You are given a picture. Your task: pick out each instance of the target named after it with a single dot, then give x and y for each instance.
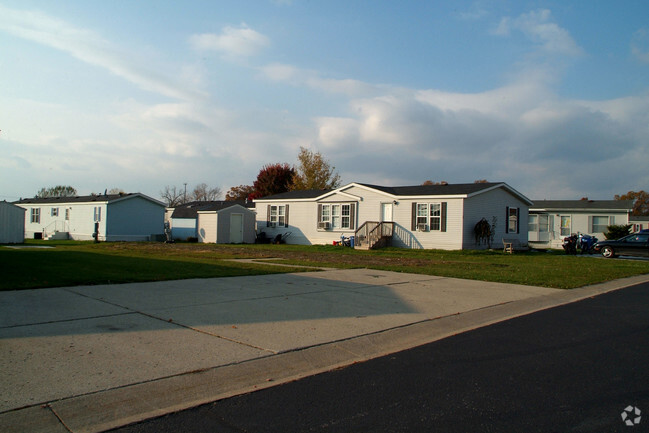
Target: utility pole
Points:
(185, 195)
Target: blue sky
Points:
(550, 97)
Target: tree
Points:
(116, 191)
(241, 192)
(481, 181)
(57, 191)
(172, 196)
(273, 179)
(640, 201)
(430, 182)
(314, 172)
(202, 192)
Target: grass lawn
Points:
(74, 263)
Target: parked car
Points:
(636, 244)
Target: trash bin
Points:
(351, 241)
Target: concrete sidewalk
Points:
(91, 358)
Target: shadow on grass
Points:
(28, 269)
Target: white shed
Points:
(226, 223)
(12, 223)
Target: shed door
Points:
(236, 228)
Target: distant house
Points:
(639, 222)
(552, 220)
(206, 221)
(116, 217)
(422, 216)
(12, 223)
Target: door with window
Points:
(566, 225)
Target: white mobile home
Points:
(116, 217)
(423, 216)
(12, 223)
(552, 220)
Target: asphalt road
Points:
(573, 368)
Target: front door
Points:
(236, 228)
(386, 212)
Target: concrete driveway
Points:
(90, 358)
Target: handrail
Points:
(59, 226)
(371, 232)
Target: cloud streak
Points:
(239, 41)
(91, 48)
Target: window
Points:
(565, 225)
(599, 224)
(544, 223)
(512, 220)
(97, 214)
(338, 215)
(35, 216)
(277, 216)
(430, 215)
(54, 211)
(533, 223)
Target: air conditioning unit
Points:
(422, 227)
(323, 225)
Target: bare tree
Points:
(172, 196)
(202, 192)
(57, 191)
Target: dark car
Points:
(636, 244)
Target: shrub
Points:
(617, 231)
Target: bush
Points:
(617, 231)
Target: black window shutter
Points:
(319, 212)
(268, 216)
(352, 216)
(443, 222)
(414, 217)
(507, 219)
(286, 216)
(518, 220)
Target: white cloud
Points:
(235, 41)
(302, 77)
(539, 27)
(89, 47)
(640, 45)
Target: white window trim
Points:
(329, 215)
(432, 222)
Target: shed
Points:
(12, 223)
(227, 222)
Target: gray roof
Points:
(583, 204)
(189, 210)
(399, 191)
(309, 193)
(78, 199)
(638, 218)
(442, 189)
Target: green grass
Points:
(86, 263)
(75, 263)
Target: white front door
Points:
(236, 228)
(386, 212)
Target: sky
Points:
(551, 97)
